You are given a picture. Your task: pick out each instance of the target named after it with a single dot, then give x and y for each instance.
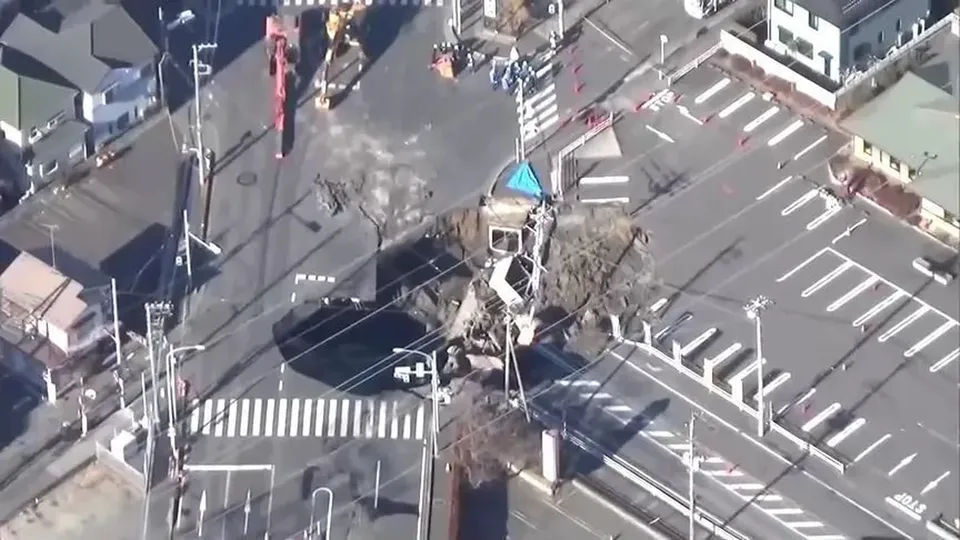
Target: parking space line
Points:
(294, 417)
(822, 218)
(930, 338)
(232, 418)
(920, 312)
(804, 524)
(603, 180)
(775, 187)
(822, 282)
(777, 382)
(745, 372)
(307, 420)
(268, 423)
(712, 91)
(318, 419)
(942, 363)
(725, 355)
(257, 411)
(873, 446)
(608, 200)
(787, 131)
(821, 417)
(697, 342)
(852, 293)
(802, 200)
(282, 417)
(766, 115)
(846, 432)
(740, 102)
(812, 145)
(218, 421)
(877, 308)
(801, 266)
(332, 419)
(344, 417)
(768, 498)
(784, 511)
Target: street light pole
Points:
(692, 466)
(663, 55)
(753, 309)
(313, 509)
(200, 69)
(172, 389)
(434, 391)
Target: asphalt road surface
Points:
(860, 350)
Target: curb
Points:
(532, 479)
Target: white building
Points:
(835, 38)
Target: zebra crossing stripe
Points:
(195, 416)
(357, 418)
(407, 426)
(319, 416)
(294, 417)
(382, 427)
(394, 423)
(418, 429)
(208, 416)
(257, 411)
(268, 425)
(218, 421)
(282, 417)
(307, 406)
(345, 417)
(332, 419)
(232, 418)
(244, 417)
(371, 418)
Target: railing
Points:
(560, 176)
(697, 62)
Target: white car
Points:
(184, 17)
(926, 267)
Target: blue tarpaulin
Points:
(525, 181)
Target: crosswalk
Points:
(307, 417)
(318, 3)
(539, 111)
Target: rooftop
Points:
(35, 287)
(843, 13)
(66, 136)
(32, 94)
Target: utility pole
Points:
(523, 126)
(434, 390)
(200, 69)
(754, 308)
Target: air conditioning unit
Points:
(35, 136)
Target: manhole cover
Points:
(90, 394)
(247, 179)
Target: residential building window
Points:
(912, 173)
(880, 38)
(109, 94)
(55, 121)
(867, 148)
(785, 36)
(76, 151)
(49, 168)
(805, 48)
(813, 21)
(894, 164)
(785, 6)
(899, 26)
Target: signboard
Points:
(490, 9)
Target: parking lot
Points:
(860, 350)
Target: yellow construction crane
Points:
(342, 22)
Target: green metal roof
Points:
(917, 123)
(29, 102)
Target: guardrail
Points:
(943, 530)
(664, 494)
(690, 66)
(676, 362)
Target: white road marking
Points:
(382, 425)
(685, 112)
(775, 187)
(725, 355)
(900, 506)
(768, 498)
(930, 338)
(332, 418)
(357, 418)
(712, 91)
(603, 180)
(920, 312)
(307, 420)
(934, 483)
(407, 426)
(394, 421)
(268, 420)
(819, 418)
(232, 418)
(714, 459)
(344, 417)
(371, 419)
(595, 395)
(659, 305)
(774, 384)
(848, 231)
(607, 200)
(877, 308)
(745, 372)
(800, 266)
(257, 415)
(660, 134)
(813, 145)
(294, 417)
(827, 537)
(802, 200)
(418, 426)
(943, 362)
(244, 417)
(282, 417)
(661, 434)
(846, 432)
(579, 382)
(732, 474)
(617, 408)
(784, 511)
(798, 402)
(903, 463)
(319, 417)
(852, 293)
(871, 448)
(747, 487)
(755, 123)
(804, 525)
(195, 416)
(822, 218)
(787, 131)
(822, 282)
(218, 422)
(679, 447)
(740, 102)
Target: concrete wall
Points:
(825, 41)
(12, 134)
(772, 66)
